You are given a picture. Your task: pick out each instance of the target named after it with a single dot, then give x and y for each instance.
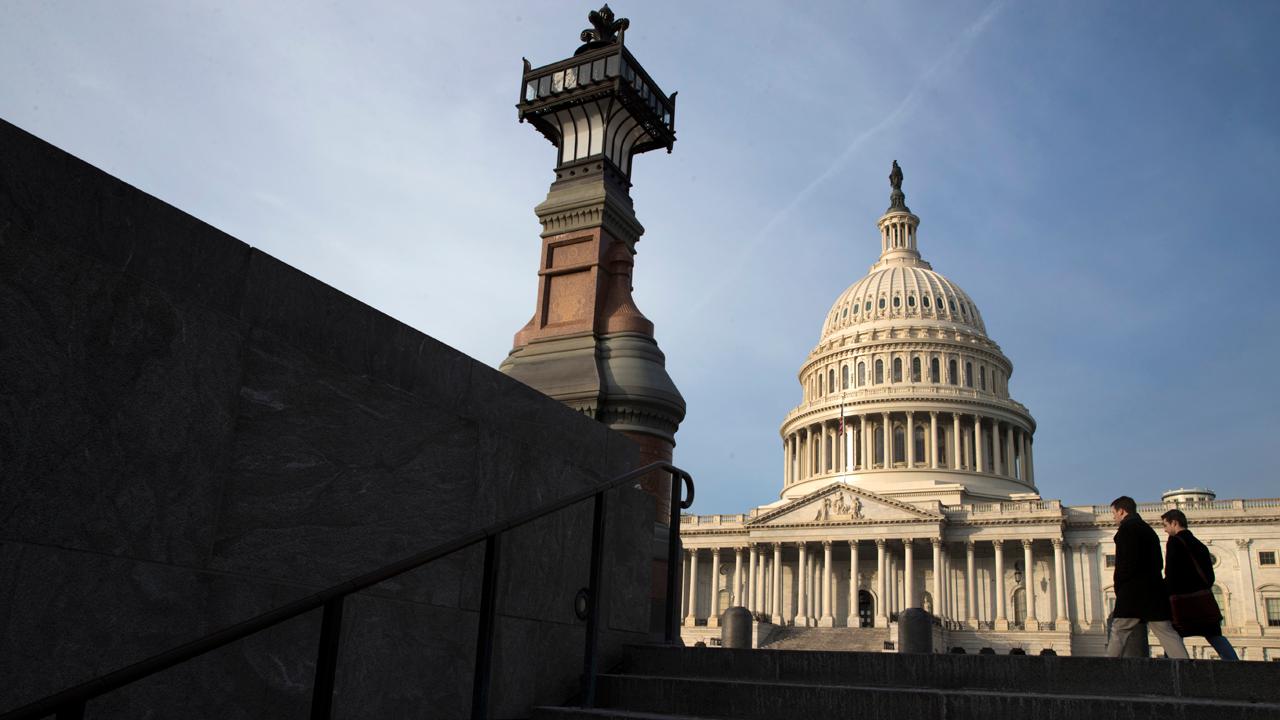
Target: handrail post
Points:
(595, 594)
(484, 636)
(673, 560)
(327, 660)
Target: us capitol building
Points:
(909, 481)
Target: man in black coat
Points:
(1140, 590)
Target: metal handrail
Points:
(70, 703)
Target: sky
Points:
(1099, 177)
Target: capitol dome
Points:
(905, 394)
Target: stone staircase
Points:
(829, 639)
(668, 682)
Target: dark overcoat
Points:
(1140, 590)
(1182, 552)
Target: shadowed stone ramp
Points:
(659, 682)
(829, 639)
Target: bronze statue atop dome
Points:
(897, 198)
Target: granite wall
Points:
(192, 432)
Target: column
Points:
(888, 441)
(1248, 588)
(1087, 610)
(776, 612)
(753, 579)
(802, 614)
(978, 464)
(852, 620)
(1010, 452)
(1028, 580)
(910, 437)
(692, 618)
(866, 452)
(735, 598)
(933, 439)
(955, 441)
(1031, 460)
(1060, 579)
(713, 618)
(970, 587)
(848, 445)
(997, 460)
(908, 574)
(786, 462)
(1002, 620)
(684, 587)
(937, 575)
(823, 445)
(828, 617)
(882, 619)
(815, 609)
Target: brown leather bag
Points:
(1195, 613)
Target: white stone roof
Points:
(903, 291)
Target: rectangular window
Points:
(1111, 561)
(1267, 557)
(1273, 612)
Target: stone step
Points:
(829, 639)
(1124, 678)
(756, 700)
(572, 713)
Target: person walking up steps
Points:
(1188, 573)
(1139, 586)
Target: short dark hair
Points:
(1125, 503)
(1175, 516)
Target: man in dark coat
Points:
(1140, 590)
(1188, 568)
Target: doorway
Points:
(866, 609)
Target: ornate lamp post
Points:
(587, 343)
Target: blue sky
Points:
(1100, 177)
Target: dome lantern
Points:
(898, 227)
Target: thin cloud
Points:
(954, 53)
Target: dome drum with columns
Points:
(908, 480)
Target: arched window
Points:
(942, 446)
(911, 301)
(899, 444)
(879, 371)
(862, 374)
(951, 372)
(982, 376)
(919, 443)
(831, 379)
(915, 369)
(897, 301)
(968, 374)
(879, 449)
(924, 299)
(933, 370)
(844, 377)
(881, 303)
(897, 370)
(819, 384)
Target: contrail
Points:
(952, 54)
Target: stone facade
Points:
(194, 432)
(909, 481)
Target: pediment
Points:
(842, 504)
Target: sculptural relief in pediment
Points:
(844, 504)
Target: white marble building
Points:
(909, 481)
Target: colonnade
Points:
(806, 594)
(908, 439)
